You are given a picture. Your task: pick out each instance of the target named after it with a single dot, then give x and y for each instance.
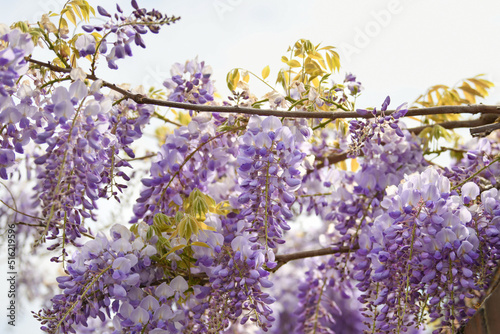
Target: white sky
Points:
(395, 47)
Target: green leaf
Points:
(187, 227)
(149, 233)
(134, 228)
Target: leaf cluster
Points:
(187, 223)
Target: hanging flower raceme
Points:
(190, 83)
(127, 31)
(106, 278)
(426, 254)
(236, 268)
(326, 302)
(83, 137)
(269, 175)
(193, 157)
(480, 153)
(362, 131)
(350, 199)
(12, 59)
(16, 129)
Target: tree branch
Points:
(285, 258)
(280, 259)
(332, 159)
(462, 109)
(452, 125)
(484, 130)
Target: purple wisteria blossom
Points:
(269, 175)
(104, 281)
(173, 176)
(16, 129)
(363, 130)
(190, 83)
(83, 138)
(126, 31)
(236, 268)
(429, 242)
(479, 153)
(350, 199)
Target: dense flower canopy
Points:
(227, 200)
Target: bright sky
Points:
(395, 47)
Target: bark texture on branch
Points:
(141, 99)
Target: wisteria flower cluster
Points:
(349, 199)
(16, 130)
(236, 266)
(193, 157)
(84, 135)
(479, 158)
(363, 130)
(326, 303)
(269, 171)
(12, 62)
(190, 83)
(425, 253)
(104, 280)
(125, 29)
(339, 93)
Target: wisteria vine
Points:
(235, 195)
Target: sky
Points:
(394, 47)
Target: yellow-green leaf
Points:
(176, 248)
(161, 219)
(342, 165)
(97, 36)
(188, 226)
(232, 79)
(293, 63)
(134, 228)
(77, 10)
(315, 82)
(329, 62)
(265, 72)
(71, 16)
(149, 233)
(199, 243)
(204, 226)
(222, 208)
(467, 88)
(315, 55)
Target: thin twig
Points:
(143, 157)
(163, 118)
